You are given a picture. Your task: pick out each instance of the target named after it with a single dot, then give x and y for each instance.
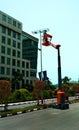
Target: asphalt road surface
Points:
(46, 119)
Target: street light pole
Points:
(40, 54)
(40, 32)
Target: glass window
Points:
(3, 39)
(3, 49)
(14, 23)
(2, 60)
(32, 74)
(13, 62)
(13, 52)
(18, 53)
(31, 82)
(27, 81)
(8, 61)
(19, 36)
(3, 29)
(18, 70)
(9, 51)
(2, 70)
(4, 18)
(19, 25)
(9, 41)
(27, 65)
(18, 45)
(9, 32)
(23, 64)
(27, 73)
(18, 63)
(14, 43)
(8, 71)
(9, 20)
(23, 72)
(22, 82)
(14, 34)
(13, 71)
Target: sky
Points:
(61, 17)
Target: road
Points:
(46, 119)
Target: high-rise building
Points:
(29, 51)
(17, 54)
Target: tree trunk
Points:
(5, 106)
(37, 102)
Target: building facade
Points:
(12, 57)
(30, 51)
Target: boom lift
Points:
(61, 104)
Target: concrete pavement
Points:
(46, 119)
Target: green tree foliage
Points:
(50, 88)
(71, 92)
(66, 85)
(5, 89)
(48, 85)
(66, 80)
(29, 87)
(46, 94)
(17, 77)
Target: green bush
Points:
(46, 94)
(20, 95)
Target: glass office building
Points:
(17, 54)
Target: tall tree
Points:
(5, 88)
(75, 88)
(17, 78)
(38, 89)
(65, 85)
(48, 85)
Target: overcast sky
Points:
(62, 19)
